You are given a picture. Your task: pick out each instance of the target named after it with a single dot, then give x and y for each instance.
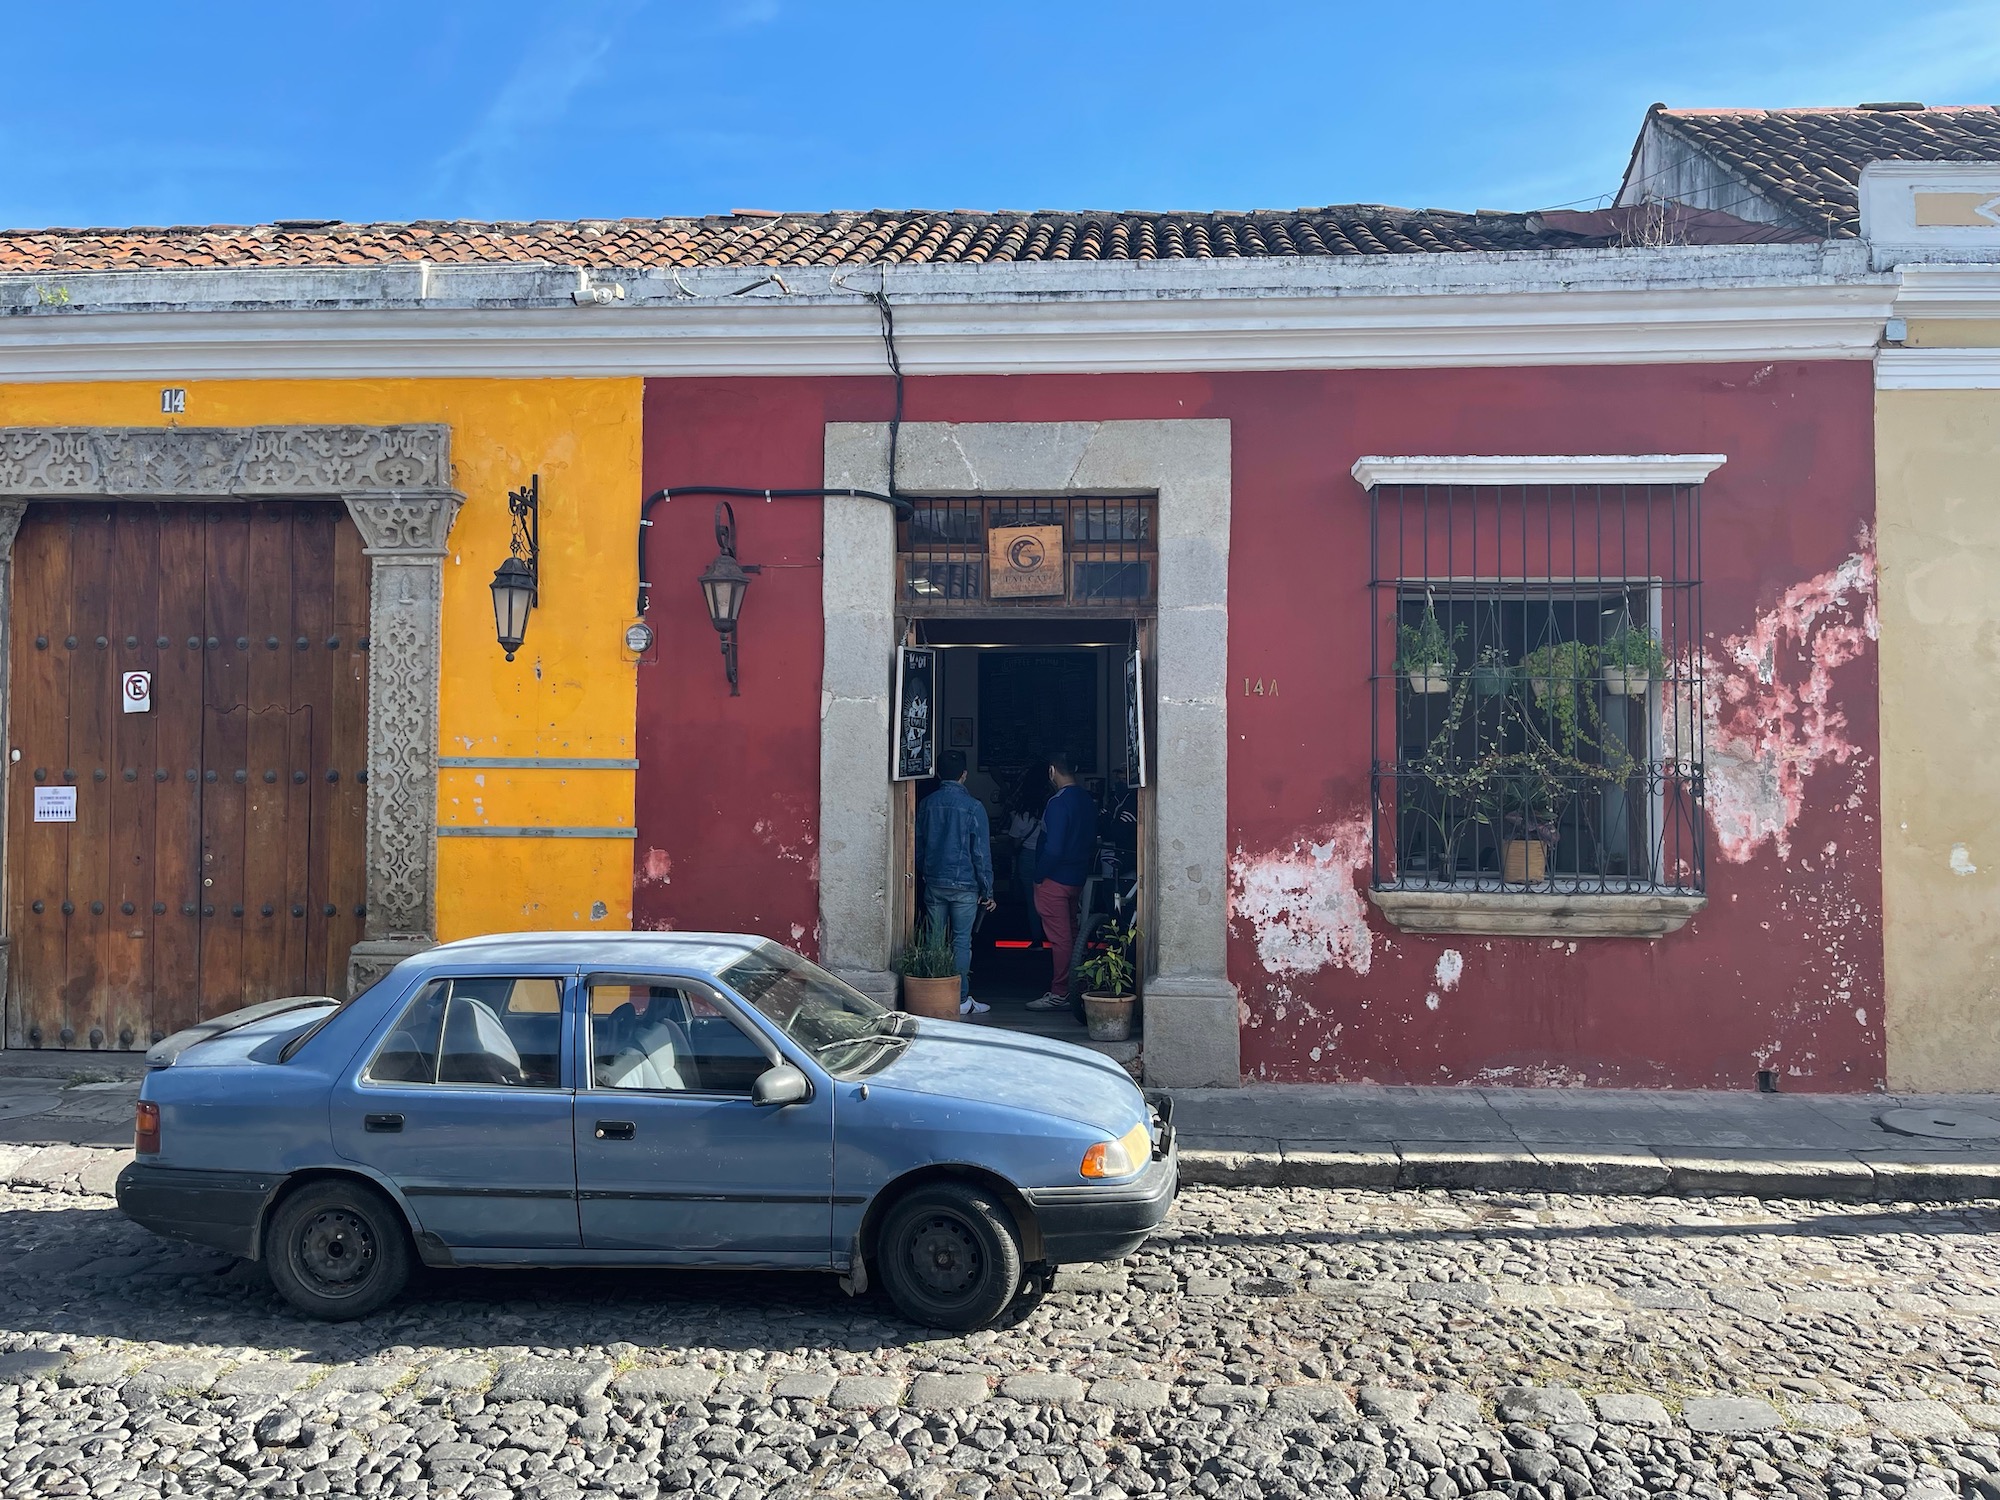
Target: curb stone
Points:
(1050, 1390)
(1730, 1416)
(668, 1383)
(1612, 1170)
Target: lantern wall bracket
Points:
(902, 507)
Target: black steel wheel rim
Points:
(334, 1252)
(945, 1257)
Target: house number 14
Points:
(1257, 687)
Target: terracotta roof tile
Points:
(846, 238)
(1807, 162)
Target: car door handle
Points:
(615, 1130)
(381, 1124)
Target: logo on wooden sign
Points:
(1024, 562)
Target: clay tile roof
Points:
(752, 238)
(1807, 162)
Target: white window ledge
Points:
(1548, 468)
(1530, 914)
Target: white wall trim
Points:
(1938, 370)
(1552, 468)
(1937, 291)
(1677, 305)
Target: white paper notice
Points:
(55, 804)
(136, 692)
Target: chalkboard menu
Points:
(916, 713)
(1034, 703)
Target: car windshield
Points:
(847, 1033)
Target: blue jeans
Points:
(955, 906)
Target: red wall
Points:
(1784, 969)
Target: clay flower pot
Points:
(1525, 861)
(935, 998)
(1627, 682)
(1109, 1017)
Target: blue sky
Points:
(171, 113)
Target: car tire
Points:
(337, 1250)
(949, 1256)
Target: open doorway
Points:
(1010, 694)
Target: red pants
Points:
(1057, 906)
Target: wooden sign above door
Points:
(1024, 562)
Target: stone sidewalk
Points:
(1819, 1146)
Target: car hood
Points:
(954, 1060)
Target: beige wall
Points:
(1938, 468)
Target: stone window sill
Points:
(1530, 914)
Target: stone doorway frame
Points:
(1191, 1030)
(396, 483)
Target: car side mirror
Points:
(783, 1084)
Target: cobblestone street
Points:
(1271, 1342)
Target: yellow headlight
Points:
(1119, 1158)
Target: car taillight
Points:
(146, 1135)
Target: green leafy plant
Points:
(1112, 971)
(1424, 649)
(1633, 649)
(929, 955)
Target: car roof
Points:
(706, 951)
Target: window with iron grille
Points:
(1537, 688)
(1110, 552)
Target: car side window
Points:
(668, 1038)
(491, 1031)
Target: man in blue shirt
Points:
(955, 857)
(1069, 840)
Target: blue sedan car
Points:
(569, 1099)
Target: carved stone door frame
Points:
(396, 484)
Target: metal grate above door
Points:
(1109, 554)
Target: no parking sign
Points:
(136, 695)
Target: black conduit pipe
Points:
(903, 510)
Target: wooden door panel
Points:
(218, 857)
(38, 854)
(134, 781)
(91, 693)
(177, 715)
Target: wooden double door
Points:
(210, 850)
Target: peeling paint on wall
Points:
(1451, 964)
(1304, 904)
(1772, 717)
(657, 868)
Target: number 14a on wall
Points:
(1257, 687)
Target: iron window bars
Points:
(1110, 551)
(1536, 696)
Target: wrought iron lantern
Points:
(517, 582)
(723, 584)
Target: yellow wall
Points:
(1938, 509)
(570, 689)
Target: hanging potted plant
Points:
(1108, 979)
(1424, 655)
(1553, 670)
(930, 974)
(1632, 661)
(1491, 675)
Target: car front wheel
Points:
(337, 1250)
(949, 1256)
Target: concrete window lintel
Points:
(1192, 1009)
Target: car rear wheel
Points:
(950, 1257)
(337, 1250)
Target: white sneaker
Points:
(971, 1007)
(1050, 1001)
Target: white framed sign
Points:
(55, 804)
(136, 692)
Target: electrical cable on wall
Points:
(902, 507)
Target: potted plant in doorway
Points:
(1108, 979)
(930, 974)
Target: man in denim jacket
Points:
(955, 857)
